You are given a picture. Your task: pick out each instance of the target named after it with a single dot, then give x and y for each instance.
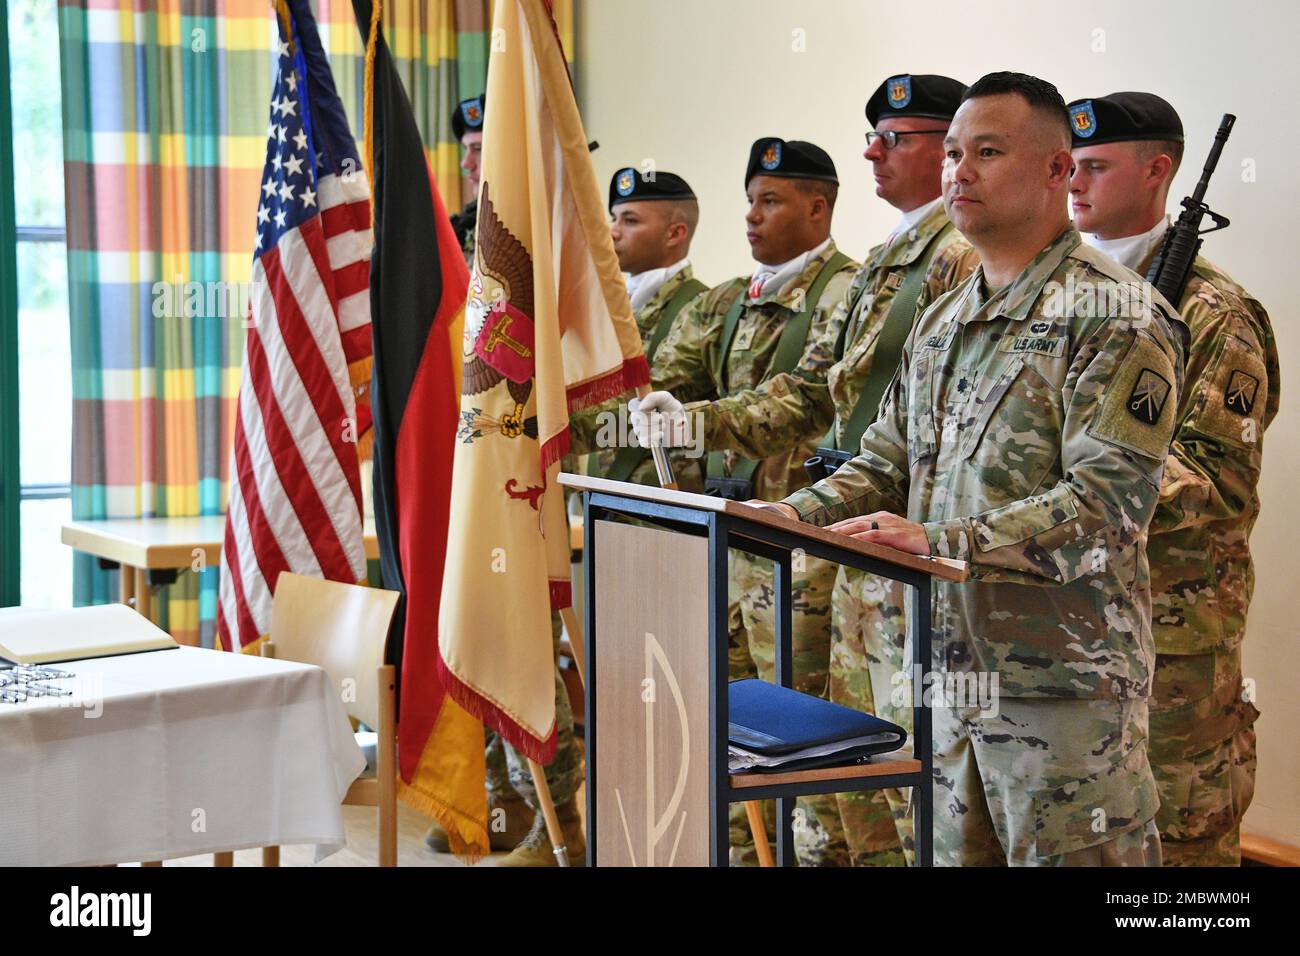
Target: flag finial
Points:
(286, 21)
(372, 47)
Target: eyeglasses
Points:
(890, 136)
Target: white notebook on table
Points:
(49, 636)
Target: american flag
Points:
(295, 492)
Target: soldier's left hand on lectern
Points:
(658, 419)
(885, 529)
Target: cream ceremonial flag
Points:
(548, 331)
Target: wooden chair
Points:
(343, 629)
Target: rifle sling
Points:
(888, 351)
(629, 457)
(788, 350)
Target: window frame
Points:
(10, 493)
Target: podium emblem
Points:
(658, 825)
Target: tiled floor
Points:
(361, 825)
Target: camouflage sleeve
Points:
(687, 361)
(1215, 459)
(784, 410)
(874, 481)
(585, 425)
(767, 420)
(1120, 396)
(951, 267)
(681, 366)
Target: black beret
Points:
(628, 185)
(921, 94)
(1123, 116)
(795, 159)
(467, 117)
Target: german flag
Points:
(418, 284)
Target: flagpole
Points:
(663, 470)
(548, 813)
(753, 808)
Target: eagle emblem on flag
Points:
(498, 314)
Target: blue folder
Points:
(773, 728)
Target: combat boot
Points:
(535, 849)
(509, 820)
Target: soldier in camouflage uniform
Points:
(1127, 147)
(467, 126)
(652, 221)
(923, 258)
(1025, 433)
(733, 338)
(514, 822)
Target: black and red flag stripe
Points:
(418, 283)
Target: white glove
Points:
(658, 419)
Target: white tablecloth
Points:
(192, 751)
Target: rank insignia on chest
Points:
(1147, 400)
(900, 91)
(1240, 394)
(744, 337)
(1083, 119)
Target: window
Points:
(45, 366)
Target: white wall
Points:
(689, 84)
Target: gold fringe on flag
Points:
(372, 44)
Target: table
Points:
(174, 753)
(152, 550)
(146, 546)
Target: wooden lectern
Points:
(658, 785)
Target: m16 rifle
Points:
(1172, 266)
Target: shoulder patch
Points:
(1140, 405)
(1147, 399)
(1239, 395)
(1236, 391)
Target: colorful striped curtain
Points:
(165, 106)
(441, 52)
